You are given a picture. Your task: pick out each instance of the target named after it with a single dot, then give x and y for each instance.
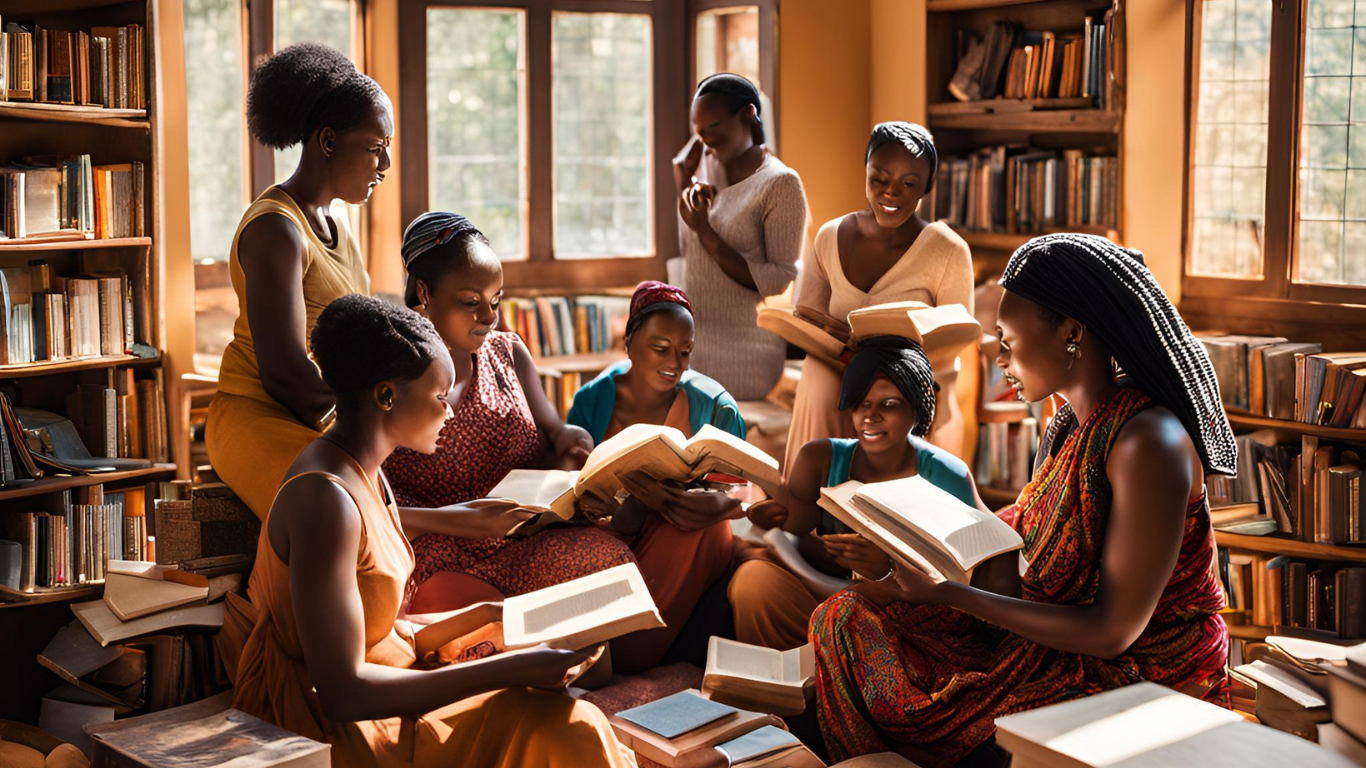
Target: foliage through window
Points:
(309, 21)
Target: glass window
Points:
(218, 194)
(476, 164)
(1332, 172)
(1229, 185)
(601, 75)
(311, 21)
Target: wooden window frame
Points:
(768, 49)
(1273, 297)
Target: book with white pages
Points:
(921, 525)
(534, 489)
(943, 331)
(1283, 682)
(751, 676)
(583, 612)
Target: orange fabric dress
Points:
(511, 728)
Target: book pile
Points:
(204, 526)
(1018, 189)
(567, 325)
(1008, 439)
(1346, 734)
(49, 318)
(760, 679)
(1279, 591)
(67, 198)
(1012, 63)
(104, 67)
(71, 544)
(668, 729)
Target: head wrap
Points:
(738, 93)
(426, 232)
(650, 297)
(904, 363)
(1110, 291)
(913, 137)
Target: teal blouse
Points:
(708, 403)
(932, 462)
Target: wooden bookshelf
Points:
(593, 362)
(1290, 431)
(46, 368)
(1280, 545)
(8, 247)
(68, 113)
(941, 6)
(56, 484)
(1033, 121)
(54, 595)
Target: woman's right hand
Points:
(492, 518)
(547, 668)
(826, 322)
(767, 514)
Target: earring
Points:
(384, 397)
(1073, 350)
(327, 150)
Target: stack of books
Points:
(1285, 592)
(1294, 381)
(105, 66)
(1020, 190)
(68, 198)
(1346, 734)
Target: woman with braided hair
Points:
(888, 396)
(881, 254)
(926, 668)
(290, 258)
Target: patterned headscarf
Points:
(914, 137)
(904, 364)
(1109, 290)
(650, 297)
(426, 232)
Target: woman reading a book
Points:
(924, 667)
(290, 258)
(680, 537)
(328, 657)
(502, 421)
(888, 395)
(878, 255)
(744, 225)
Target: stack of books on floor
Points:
(1295, 381)
(567, 325)
(1019, 189)
(204, 528)
(68, 198)
(105, 66)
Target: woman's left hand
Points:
(858, 554)
(572, 445)
(697, 209)
(683, 509)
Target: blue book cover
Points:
(678, 714)
(757, 743)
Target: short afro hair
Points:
(305, 87)
(360, 341)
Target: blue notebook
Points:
(757, 743)
(673, 716)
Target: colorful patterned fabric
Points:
(652, 293)
(929, 681)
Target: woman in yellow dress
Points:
(290, 258)
(328, 657)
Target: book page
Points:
(736, 659)
(568, 609)
(586, 610)
(534, 488)
(964, 533)
(715, 450)
(799, 665)
(646, 447)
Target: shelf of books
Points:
(572, 338)
(1027, 109)
(70, 242)
(76, 113)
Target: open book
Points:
(943, 331)
(753, 677)
(582, 612)
(921, 525)
(133, 589)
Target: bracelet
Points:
(891, 571)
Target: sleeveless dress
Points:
(929, 681)
(501, 729)
(252, 439)
(491, 434)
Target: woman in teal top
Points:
(889, 392)
(707, 403)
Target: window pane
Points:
(1229, 184)
(1332, 226)
(475, 74)
(213, 79)
(309, 21)
(602, 102)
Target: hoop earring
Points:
(1074, 351)
(384, 397)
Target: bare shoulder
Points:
(1154, 443)
(266, 236)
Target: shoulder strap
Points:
(340, 484)
(841, 459)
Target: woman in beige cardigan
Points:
(881, 254)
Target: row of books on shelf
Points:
(566, 325)
(68, 198)
(1005, 452)
(51, 318)
(70, 544)
(1296, 381)
(1013, 63)
(1016, 189)
(105, 66)
(1280, 591)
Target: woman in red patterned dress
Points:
(502, 422)
(926, 668)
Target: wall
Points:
(896, 60)
(385, 222)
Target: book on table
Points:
(583, 612)
(760, 678)
(666, 729)
(921, 525)
(943, 331)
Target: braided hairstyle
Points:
(303, 88)
(737, 92)
(425, 259)
(911, 136)
(904, 363)
(360, 341)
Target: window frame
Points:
(1274, 295)
(668, 132)
(768, 47)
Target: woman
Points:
(744, 224)
(878, 255)
(290, 258)
(328, 657)
(889, 397)
(502, 422)
(681, 537)
(928, 667)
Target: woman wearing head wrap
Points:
(888, 396)
(926, 668)
(881, 254)
(681, 538)
(290, 258)
(744, 226)
(501, 421)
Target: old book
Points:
(583, 612)
(696, 722)
(1331, 736)
(754, 677)
(130, 596)
(943, 331)
(921, 525)
(206, 733)
(1347, 691)
(758, 743)
(113, 674)
(212, 523)
(106, 627)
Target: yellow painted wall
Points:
(385, 224)
(896, 60)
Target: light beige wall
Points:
(385, 222)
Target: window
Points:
(310, 21)
(1276, 192)
(739, 38)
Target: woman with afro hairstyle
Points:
(881, 254)
(290, 258)
(328, 656)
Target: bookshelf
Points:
(1292, 430)
(69, 113)
(1281, 545)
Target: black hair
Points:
(737, 93)
(434, 245)
(639, 318)
(911, 136)
(305, 87)
(360, 341)
(905, 364)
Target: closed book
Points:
(1349, 599)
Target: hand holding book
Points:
(825, 321)
(684, 507)
(855, 553)
(547, 668)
